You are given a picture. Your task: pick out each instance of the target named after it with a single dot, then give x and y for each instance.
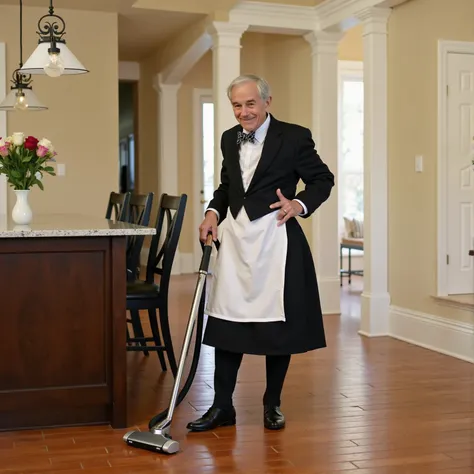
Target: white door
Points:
(204, 160)
(460, 174)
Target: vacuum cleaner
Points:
(158, 439)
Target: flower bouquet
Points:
(23, 160)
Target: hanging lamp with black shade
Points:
(52, 56)
(21, 96)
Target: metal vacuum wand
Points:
(158, 439)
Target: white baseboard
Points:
(374, 313)
(438, 334)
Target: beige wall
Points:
(414, 30)
(82, 120)
(286, 62)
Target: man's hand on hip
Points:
(209, 224)
(288, 208)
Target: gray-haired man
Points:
(264, 297)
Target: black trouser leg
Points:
(227, 365)
(277, 367)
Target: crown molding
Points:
(331, 15)
(227, 28)
(226, 34)
(374, 14)
(374, 19)
(323, 42)
(343, 14)
(328, 18)
(273, 17)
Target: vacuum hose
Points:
(197, 346)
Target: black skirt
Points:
(303, 329)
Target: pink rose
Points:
(42, 151)
(3, 147)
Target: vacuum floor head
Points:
(157, 443)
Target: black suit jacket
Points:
(288, 155)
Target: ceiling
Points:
(93, 5)
(141, 30)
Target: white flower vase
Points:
(22, 213)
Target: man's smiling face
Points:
(249, 108)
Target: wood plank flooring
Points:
(361, 406)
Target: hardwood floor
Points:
(365, 406)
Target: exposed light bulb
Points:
(20, 103)
(55, 66)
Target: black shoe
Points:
(273, 418)
(213, 418)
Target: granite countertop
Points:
(69, 225)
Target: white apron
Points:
(248, 274)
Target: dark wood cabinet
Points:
(62, 326)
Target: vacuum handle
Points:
(207, 254)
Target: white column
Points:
(168, 145)
(325, 233)
(167, 136)
(375, 300)
(225, 67)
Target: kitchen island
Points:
(63, 321)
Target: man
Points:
(264, 296)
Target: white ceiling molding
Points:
(273, 17)
(374, 19)
(329, 16)
(225, 32)
(342, 14)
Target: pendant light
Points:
(52, 56)
(21, 96)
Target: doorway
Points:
(351, 179)
(455, 171)
(203, 116)
(128, 126)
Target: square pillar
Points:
(325, 229)
(167, 136)
(225, 68)
(375, 300)
(167, 148)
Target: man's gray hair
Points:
(262, 85)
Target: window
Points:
(351, 143)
